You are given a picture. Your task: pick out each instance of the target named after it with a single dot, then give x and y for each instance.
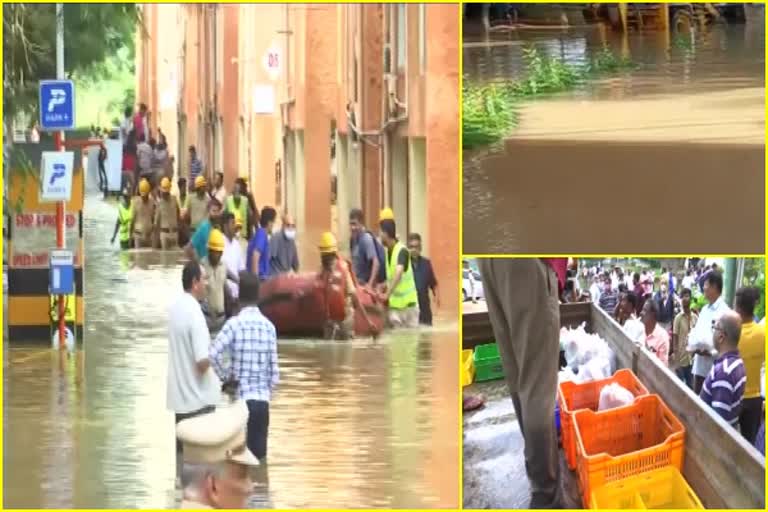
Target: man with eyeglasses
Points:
(723, 388)
(710, 314)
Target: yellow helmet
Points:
(216, 241)
(328, 243)
(200, 182)
(238, 219)
(144, 187)
(165, 184)
(386, 214)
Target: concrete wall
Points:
(442, 147)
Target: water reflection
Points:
(357, 424)
(684, 97)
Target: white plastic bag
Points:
(566, 375)
(614, 395)
(700, 339)
(595, 369)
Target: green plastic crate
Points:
(488, 363)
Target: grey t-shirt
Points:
(363, 254)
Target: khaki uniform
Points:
(198, 210)
(193, 505)
(167, 221)
(217, 279)
(214, 438)
(523, 307)
(142, 228)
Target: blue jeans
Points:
(684, 374)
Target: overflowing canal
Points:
(354, 424)
(585, 167)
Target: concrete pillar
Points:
(442, 148)
(320, 94)
(371, 90)
(229, 96)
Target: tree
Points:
(93, 34)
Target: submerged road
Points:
(353, 424)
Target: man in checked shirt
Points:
(250, 342)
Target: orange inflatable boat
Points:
(301, 305)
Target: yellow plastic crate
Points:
(658, 489)
(467, 368)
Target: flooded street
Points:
(353, 424)
(690, 110)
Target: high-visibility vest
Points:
(125, 217)
(243, 208)
(404, 295)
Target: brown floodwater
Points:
(354, 424)
(617, 164)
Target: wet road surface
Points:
(353, 424)
(494, 459)
(587, 168)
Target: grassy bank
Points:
(490, 111)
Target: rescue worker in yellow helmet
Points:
(143, 215)
(335, 271)
(237, 203)
(167, 217)
(400, 290)
(124, 221)
(217, 292)
(198, 204)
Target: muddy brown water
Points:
(616, 165)
(353, 424)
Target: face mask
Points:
(290, 234)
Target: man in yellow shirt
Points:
(752, 350)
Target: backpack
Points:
(381, 255)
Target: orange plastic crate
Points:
(572, 397)
(623, 442)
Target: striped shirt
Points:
(724, 386)
(195, 168)
(608, 301)
(250, 340)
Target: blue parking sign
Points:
(57, 105)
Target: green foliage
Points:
(754, 275)
(488, 113)
(93, 35)
(491, 111)
(21, 164)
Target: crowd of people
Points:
(659, 311)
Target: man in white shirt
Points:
(689, 280)
(219, 190)
(193, 387)
(233, 252)
(710, 314)
(594, 290)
